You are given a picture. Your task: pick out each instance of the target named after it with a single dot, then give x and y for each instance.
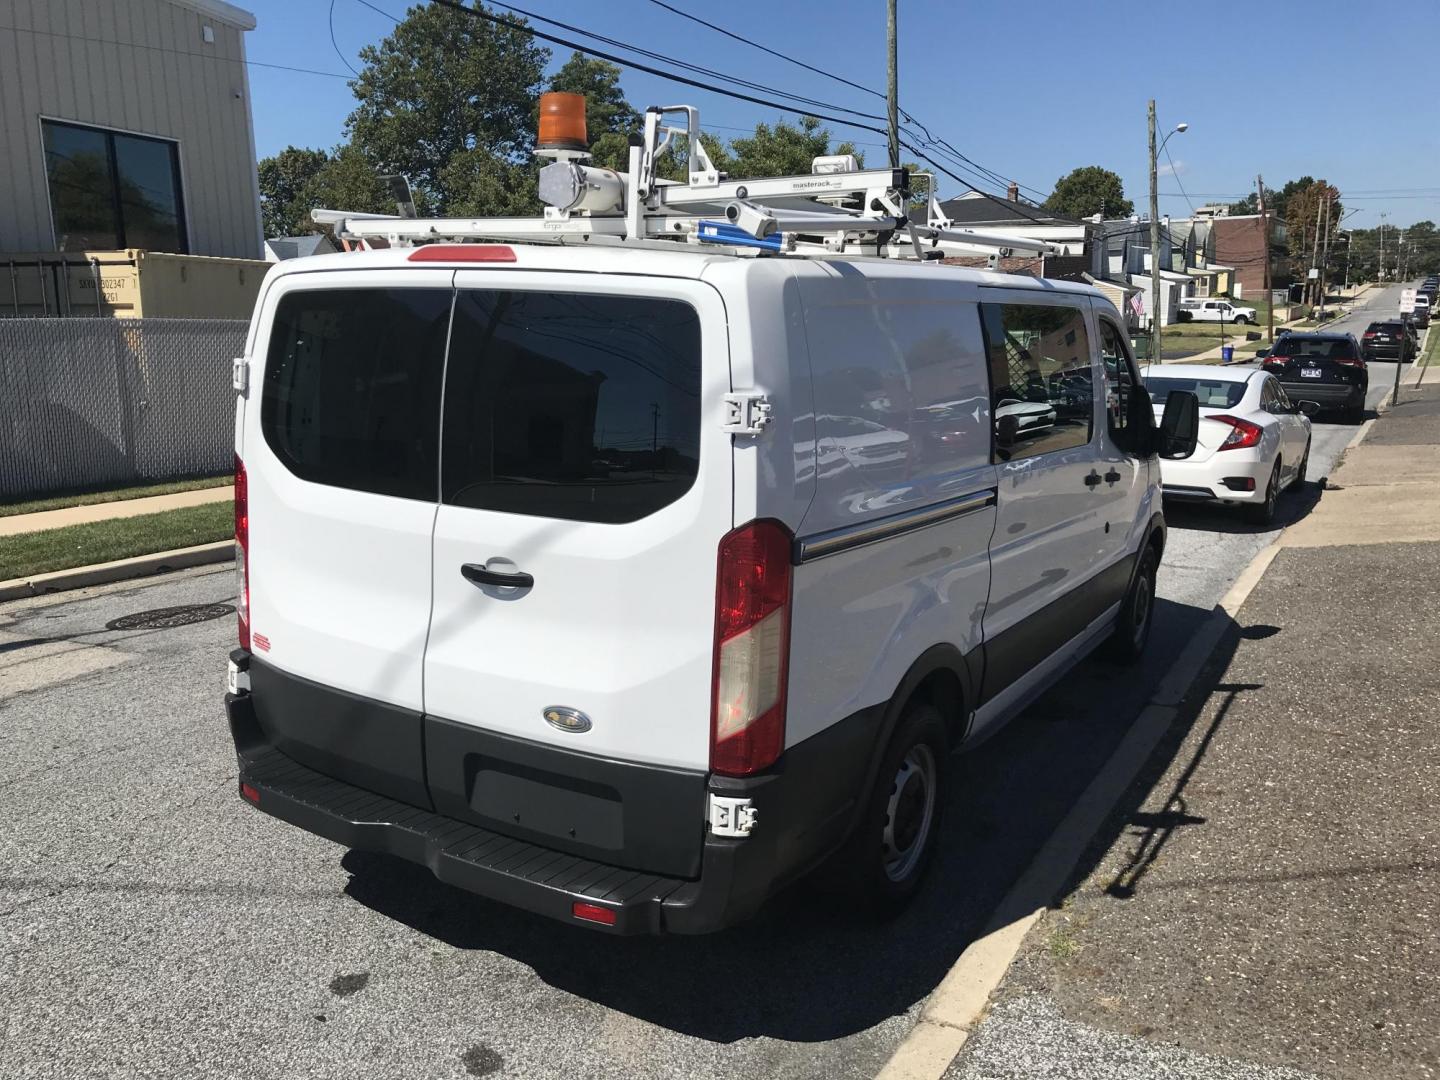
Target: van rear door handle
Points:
(1112, 477)
(479, 575)
(1093, 480)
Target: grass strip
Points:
(33, 553)
(90, 498)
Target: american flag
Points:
(1137, 303)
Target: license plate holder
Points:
(1311, 373)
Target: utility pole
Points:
(1349, 243)
(1382, 249)
(1265, 230)
(1325, 256)
(893, 99)
(1315, 253)
(1155, 356)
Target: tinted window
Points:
(1213, 393)
(1042, 390)
(568, 405)
(352, 388)
(1323, 348)
(1127, 413)
(109, 190)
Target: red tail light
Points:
(1245, 433)
(752, 649)
(242, 551)
(593, 913)
(1350, 361)
(463, 253)
(1369, 334)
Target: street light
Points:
(1155, 235)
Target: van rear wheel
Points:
(1132, 626)
(884, 863)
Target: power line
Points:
(176, 52)
(478, 13)
(335, 45)
(1173, 172)
(982, 175)
(928, 139)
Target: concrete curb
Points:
(120, 570)
(958, 1004)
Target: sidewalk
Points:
(1269, 907)
(79, 515)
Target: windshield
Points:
(1213, 393)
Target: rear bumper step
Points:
(803, 806)
(511, 871)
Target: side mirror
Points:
(1007, 428)
(1179, 427)
(1309, 408)
(1260, 354)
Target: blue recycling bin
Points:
(1227, 353)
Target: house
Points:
(298, 247)
(991, 215)
(1123, 252)
(125, 124)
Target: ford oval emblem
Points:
(566, 719)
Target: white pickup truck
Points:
(1215, 311)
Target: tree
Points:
(782, 150)
(441, 84)
(283, 180)
(609, 118)
(1087, 191)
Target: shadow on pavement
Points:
(807, 969)
(1295, 502)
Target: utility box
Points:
(129, 284)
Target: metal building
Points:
(126, 124)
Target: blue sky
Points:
(1028, 91)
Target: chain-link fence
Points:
(91, 402)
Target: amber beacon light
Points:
(562, 122)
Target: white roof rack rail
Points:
(820, 212)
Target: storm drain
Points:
(166, 618)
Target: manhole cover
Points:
(166, 617)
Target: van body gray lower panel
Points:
(646, 817)
(349, 737)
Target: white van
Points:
(627, 585)
(1201, 310)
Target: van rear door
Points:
(585, 485)
(341, 461)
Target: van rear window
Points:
(577, 406)
(351, 394)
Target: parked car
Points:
(1325, 368)
(1254, 443)
(1200, 310)
(644, 697)
(1388, 340)
(1420, 317)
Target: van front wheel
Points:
(1132, 625)
(886, 860)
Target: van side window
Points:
(576, 406)
(351, 394)
(1041, 387)
(1128, 411)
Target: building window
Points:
(111, 190)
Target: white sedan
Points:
(1254, 441)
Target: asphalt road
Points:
(151, 924)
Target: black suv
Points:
(1389, 340)
(1324, 368)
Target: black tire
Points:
(1241, 320)
(1304, 466)
(1355, 414)
(884, 863)
(1137, 612)
(1263, 513)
